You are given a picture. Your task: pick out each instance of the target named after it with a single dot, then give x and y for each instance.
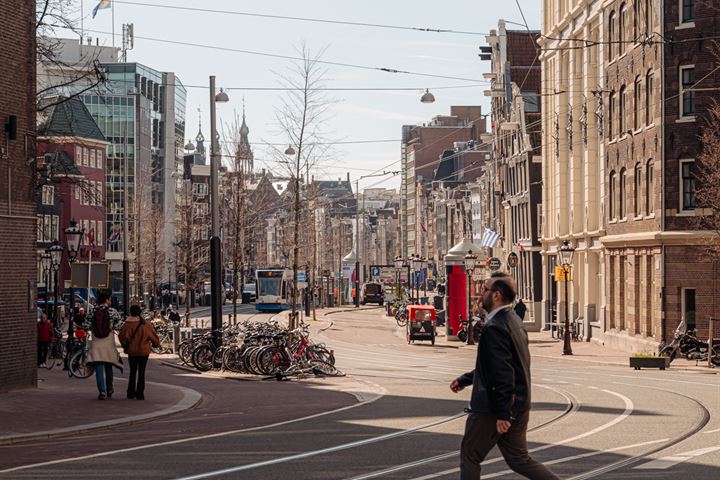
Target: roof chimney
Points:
(348, 177)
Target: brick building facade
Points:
(17, 196)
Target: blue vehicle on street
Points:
(274, 287)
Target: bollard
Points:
(176, 337)
(710, 341)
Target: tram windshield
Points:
(269, 285)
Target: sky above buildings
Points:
(374, 117)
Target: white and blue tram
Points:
(274, 289)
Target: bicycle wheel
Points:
(320, 353)
(78, 365)
(402, 320)
(185, 352)
(202, 357)
(50, 357)
(272, 360)
(324, 369)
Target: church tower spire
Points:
(244, 152)
(200, 139)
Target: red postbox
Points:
(457, 286)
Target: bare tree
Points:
(302, 118)
(707, 193)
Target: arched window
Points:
(611, 36)
(649, 187)
(622, 195)
(637, 102)
(611, 116)
(612, 214)
(622, 113)
(649, 99)
(637, 19)
(649, 20)
(638, 189)
(622, 25)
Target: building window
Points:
(638, 190)
(611, 116)
(688, 307)
(622, 198)
(687, 11)
(78, 155)
(637, 16)
(687, 184)
(39, 234)
(611, 36)
(637, 101)
(532, 101)
(687, 98)
(649, 187)
(92, 158)
(612, 214)
(649, 20)
(649, 99)
(622, 25)
(86, 157)
(48, 195)
(200, 189)
(622, 114)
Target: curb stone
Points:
(191, 398)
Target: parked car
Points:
(250, 292)
(372, 292)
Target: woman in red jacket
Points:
(45, 336)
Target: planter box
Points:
(649, 362)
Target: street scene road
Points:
(394, 417)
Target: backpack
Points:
(101, 323)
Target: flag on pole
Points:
(102, 5)
(489, 238)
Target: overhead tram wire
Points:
(303, 19)
(289, 57)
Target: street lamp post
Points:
(417, 264)
(46, 260)
(470, 261)
(73, 234)
(215, 260)
(398, 264)
(55, 252)
(566, 257)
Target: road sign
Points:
(512, 260)
(383, 273)
(99, 275)
(301, 280)
(494, 263)
(560, 274)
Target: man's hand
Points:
(503, 426)
(455, 386)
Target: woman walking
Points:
(136, 337)
(103, 354)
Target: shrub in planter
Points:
(649, 361)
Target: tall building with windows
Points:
(141, 112)
(653, 78)
(573, 158)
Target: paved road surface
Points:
(588, 422)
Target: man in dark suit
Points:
(500, 401)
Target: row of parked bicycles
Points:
(685, 342)
(260, 348)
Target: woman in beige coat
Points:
(103, 353)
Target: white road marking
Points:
(313, 453)
(713, 431)
(667, 462)
(628, 410)
(192, 439)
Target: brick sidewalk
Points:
(62, 405)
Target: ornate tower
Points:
(244, 152)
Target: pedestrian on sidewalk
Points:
(103, 353)
(45, 336)
(520, 309)
(500, 402)
(136, 337)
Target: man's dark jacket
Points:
(501, 379)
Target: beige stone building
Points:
(573, 151)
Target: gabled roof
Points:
(69, 117)
(446, 169)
